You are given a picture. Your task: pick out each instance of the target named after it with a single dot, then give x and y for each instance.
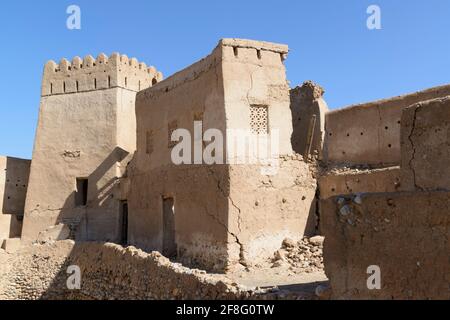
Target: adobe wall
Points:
(14, 174)
(308, 117)
(403, 231)
(200, 192)
(264, 209)
(351, 181)
(425, 146)
(405, 234)
(370, 133)
(86, 129)
(217, 212)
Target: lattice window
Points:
(259, 119)
(171, 128)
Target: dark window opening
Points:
(82, 192)
(169, 242)
(124, 224)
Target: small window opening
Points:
(81, 192)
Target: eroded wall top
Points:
(90, 74)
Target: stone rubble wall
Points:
(111, 272)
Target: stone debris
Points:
(111, 272)
(304, 256)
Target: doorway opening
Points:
(169, 241)
(124, 223)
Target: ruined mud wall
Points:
(426, 146)
(86, 128)
(200, 192)
(264, 208)
(108, 272)
(370, 133)
(14, 174)
(405, 234)
(308, 118)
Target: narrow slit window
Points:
(81, 192)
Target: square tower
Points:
(218, 214)
(86, 134)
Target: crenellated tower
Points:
(86, 135)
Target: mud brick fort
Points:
(101, 190)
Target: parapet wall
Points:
(370, 133)
(90, 74)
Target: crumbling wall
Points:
(308, 119)
(405, 234)
(370, 133)
(200, 192)
(266, 209)
(405, 231)
(111, 272)
(342, 181)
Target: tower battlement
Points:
(90, 74)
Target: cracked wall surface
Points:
(425, 145)
(400, 225)
(217, 223)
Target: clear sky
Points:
(329, 41)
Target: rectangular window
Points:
(82, 192)
(259, 119)
(124, 224)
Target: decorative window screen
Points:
(259, 119)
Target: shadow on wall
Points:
(14, 191)
(90, 211)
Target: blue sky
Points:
(329, 41)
